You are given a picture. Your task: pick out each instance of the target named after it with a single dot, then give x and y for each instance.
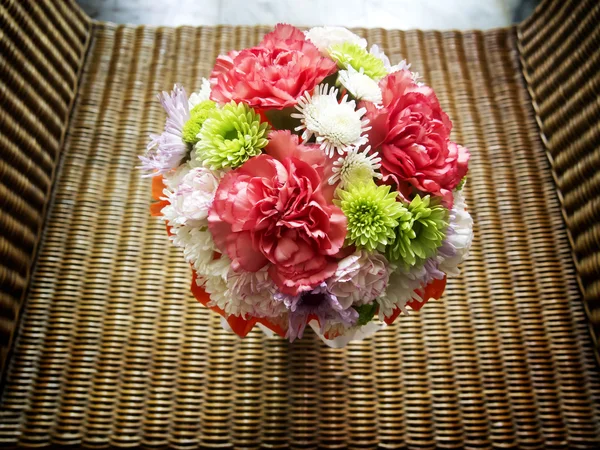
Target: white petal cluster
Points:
(216, 287)
(361, 86)
(172, 179)
(192, 198)
(355, 165)
(360, 278)
(246, 293)
(337, 125)
(402, 65)
(198, 249)
(400, 290)
(190, 192)
(459, 236)
(325, 37)
(202, 95)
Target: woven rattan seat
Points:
(105, 346)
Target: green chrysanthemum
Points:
(198, 116)
(371, 211)
(349, 54)
(421, 231)
(230, 136)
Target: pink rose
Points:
(272, 75)
(272, 212)
(412, 134)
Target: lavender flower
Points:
(166, 150)
(320, 302)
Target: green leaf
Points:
(365, 313)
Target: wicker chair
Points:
(112, 350)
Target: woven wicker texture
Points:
(561, 63)
(42, 48)
(113, 349)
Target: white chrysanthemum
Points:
(217, 267)
(193, 197)
(402, 65)
(416, 77)
(401, 289)
(354, 166)
(216, 287)
(361, 86)
(202, 95)
(325, 37)
(198, 248)
(337, 126)
(190, 194)
(459, 236)
(359, 279)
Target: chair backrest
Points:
(559, 47)
(42, 48)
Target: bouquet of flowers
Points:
(310, 181)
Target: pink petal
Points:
(242, 254)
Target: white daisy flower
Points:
(200, 96)
(355, 165)
(337, 126)
(361, 86)
(325, 37)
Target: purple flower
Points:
(166, 150)
(319, 302)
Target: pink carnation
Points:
(273, 212)
(412, 133)
(284, 144)
(272, 75)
